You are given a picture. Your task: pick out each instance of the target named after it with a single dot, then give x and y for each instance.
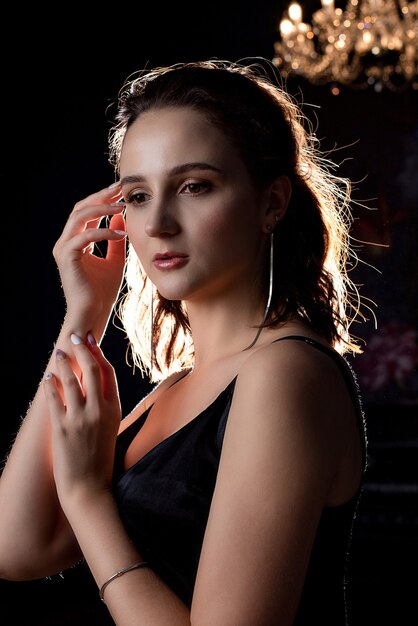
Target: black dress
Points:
(164, 501)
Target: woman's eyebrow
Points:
(187, 167)
(178, 169)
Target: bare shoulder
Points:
(151, 397)
(294, 395)
(293, 367)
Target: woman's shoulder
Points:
(292, 355)
(300, 379)
(148, 400)
(285, 421)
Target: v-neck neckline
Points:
(143, 418)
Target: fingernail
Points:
(60, 354)
(121, 205)
(48, 375)
(120, 232)
(91, 339)
(114, 185)
(75, 339)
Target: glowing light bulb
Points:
(286, 28)
(295, 12)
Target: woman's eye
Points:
(195, 188)
(136, 197)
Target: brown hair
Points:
(312, 243)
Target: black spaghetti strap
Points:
(312, 342)
(350, 379)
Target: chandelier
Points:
(369, 43)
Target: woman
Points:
(227, 496)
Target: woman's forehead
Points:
(174, 136)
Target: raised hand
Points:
(91, 282)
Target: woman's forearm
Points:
(35, 538)
(139, 596)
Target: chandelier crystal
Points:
(369, 43)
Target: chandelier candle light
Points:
(370, 43)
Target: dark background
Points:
(61, 73)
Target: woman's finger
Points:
(109, 382)
(103, 196)
(91, 375)
(89, 216)
(71, 387)
(53, 396)
(85, 241)
(116, 248)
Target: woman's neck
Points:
(223, 332)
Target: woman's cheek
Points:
(141, 254)
(137, 243)
(218, 224)
(135, 231)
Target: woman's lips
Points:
(169, 260)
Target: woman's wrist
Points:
(86, 498)
(94, 518)
(74, 325)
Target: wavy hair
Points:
(312, 250)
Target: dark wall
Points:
(60, 77)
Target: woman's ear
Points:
(277, 199)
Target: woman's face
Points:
(193, 214)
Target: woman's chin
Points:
(170, 294)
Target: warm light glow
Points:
(295, 12)
(286, 27)
(369, 43)
(367, 36)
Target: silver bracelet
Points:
(119, 573)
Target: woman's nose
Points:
(161, 223)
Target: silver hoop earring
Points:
(268, 305)
(151, 330)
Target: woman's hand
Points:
(85, 415)
(91, 283)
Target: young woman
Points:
(227, 496)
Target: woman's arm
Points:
(137, 598)
(35, 537)
(85, 419)
(282, 450)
